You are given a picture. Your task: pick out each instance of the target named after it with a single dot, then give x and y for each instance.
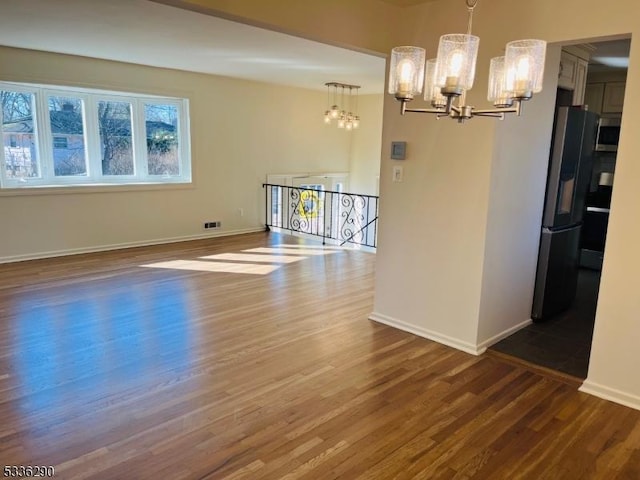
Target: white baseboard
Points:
(119, 246)
(611, 394)
(504, 334)
(431, 335)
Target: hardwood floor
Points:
(114, 368)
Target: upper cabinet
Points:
(573, 73)
(593, 96)
(581, 81)
(567, 73)
(605, 92)
(613, 97)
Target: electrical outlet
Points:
(217, 224)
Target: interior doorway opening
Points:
(561, 334)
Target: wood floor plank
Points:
(113, 370)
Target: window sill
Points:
(93, 188)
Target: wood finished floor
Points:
(111, 370)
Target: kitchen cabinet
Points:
(613, 97)
(567, 73)
(605, 97)
(593, 95)
(573, 75)
(581, 81)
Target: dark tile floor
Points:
(562, 343)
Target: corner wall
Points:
(446, 226)
(516, 200)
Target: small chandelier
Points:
(513, 78)
(345, 113)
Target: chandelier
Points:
(513, 78)
(343, 111)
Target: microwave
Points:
(608, 134)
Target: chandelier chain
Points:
(471, 4)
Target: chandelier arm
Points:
(426, 110)
(462, 113)
(403, 109)
(517, 109)
(499, 115)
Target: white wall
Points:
(366, 145)
(444, 230)
(517, 190)
(240, 131)
(431, 238)
(615, 353)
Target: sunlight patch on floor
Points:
(255, 261)
(290, 251)
(225, 267)
(310, 247)
(248, 257)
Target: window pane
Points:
(162, 139)
(114, 120)
(19, 135)
(66, 115)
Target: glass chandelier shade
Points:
(524, 67)
(498, 93)
(456, 63)
(432, 93)
(406, 71)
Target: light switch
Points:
(397, 173)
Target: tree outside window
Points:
(162, 139)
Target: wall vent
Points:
(209, 225)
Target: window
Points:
(55, 136)
(116, 139)
(21, 159)
(162, 139)
(66, 118)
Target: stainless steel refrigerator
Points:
(570, 168)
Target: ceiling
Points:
(610, 55)
(148, 33)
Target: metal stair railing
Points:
(346, 218)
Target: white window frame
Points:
(94, 176)
(135, 140)
(35, 113)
